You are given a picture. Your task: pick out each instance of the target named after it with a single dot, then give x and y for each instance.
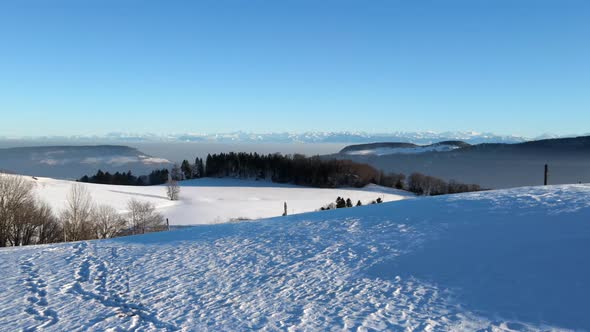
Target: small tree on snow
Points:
(172, 189)
(77, 216)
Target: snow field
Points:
(511, 260)
(208, 201)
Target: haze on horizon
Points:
(91, 68)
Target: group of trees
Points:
(346, 203)
(297, 169)
(25, 220)
(317, 172)
(159, 176)
(192, 171)
(430, 186)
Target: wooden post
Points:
(546, 174)
(167, 224)
(285, 213)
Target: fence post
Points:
(167, 224)
(546, 174)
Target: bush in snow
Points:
(142, 217)
(107, 222)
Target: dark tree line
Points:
(156, 177)
(296, 169)
(317, 172)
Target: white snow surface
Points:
(413, 150)
(216, 200)
(510, 260)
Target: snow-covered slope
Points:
(206, 201)
(512, 260)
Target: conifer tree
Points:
(186, 169)
(348, 202)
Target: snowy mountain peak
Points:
(346, 137)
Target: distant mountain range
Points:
(72, 162)
(426, 137)
(491, 165)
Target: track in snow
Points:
(37, 305)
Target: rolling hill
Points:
(509, 260)
(490, 165)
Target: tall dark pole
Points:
(546, 174)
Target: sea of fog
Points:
(178, 151)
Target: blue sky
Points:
(93, 67)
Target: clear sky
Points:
(93, 67)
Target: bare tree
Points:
(142, 216)
(15, 196)
(24, 219)
(48, 227)
(77, 216)
(107, 222)
(23, 227)
(172, 189)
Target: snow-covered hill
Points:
(209, 200)
(382, 149)
(512, 260)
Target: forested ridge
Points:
(295, 169)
